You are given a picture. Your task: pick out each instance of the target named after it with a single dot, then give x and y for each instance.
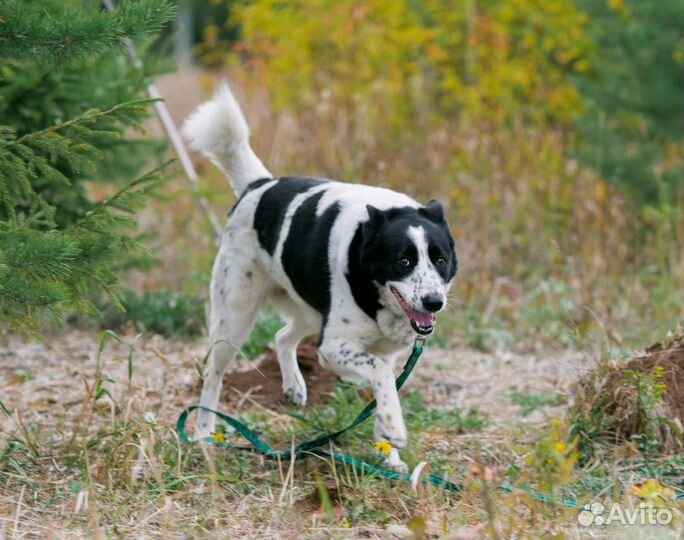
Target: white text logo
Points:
(641, 515)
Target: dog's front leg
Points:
(351, 362)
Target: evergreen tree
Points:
(67, 95)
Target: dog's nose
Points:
(432, 302)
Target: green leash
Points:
(316, 446)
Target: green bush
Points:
(262, 335)
(168, 313)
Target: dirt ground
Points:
(43, 379)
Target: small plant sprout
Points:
(553, 457)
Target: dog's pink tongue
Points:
(423, 319)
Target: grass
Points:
(111, 466)
(164, 312)
(263, 333)
(531, 402)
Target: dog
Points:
(366, 268)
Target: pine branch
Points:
(44, 274)
(127, 200)
(50, 265)
(125, 112)
(35, 155)
(69, 36)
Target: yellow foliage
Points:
(349, 49)
(617, 5)
(485, 61)
(553, 457)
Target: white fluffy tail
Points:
(219, 130)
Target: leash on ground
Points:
(317, 446)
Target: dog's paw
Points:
(294, 388)
(394, 463)
(206, 424)
(201, 436)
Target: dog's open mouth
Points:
(423, 323)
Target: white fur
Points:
(219, 130)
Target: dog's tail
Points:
(219, 130)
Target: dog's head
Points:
(409, 254)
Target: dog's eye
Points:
(441, 261)
(404, 262)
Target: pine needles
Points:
(50, 265)
(70, 34)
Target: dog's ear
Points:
(434, 211)
(376, 218)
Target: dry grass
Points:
(642, 397)
(78, 462)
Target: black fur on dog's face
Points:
(408, 254)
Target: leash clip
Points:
(419, 342)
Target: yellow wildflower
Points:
(653, 490)
(559, 447)
(219, 437)
(555, 422)
(384, 447)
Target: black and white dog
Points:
(367, 268)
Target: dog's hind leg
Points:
(238, 290)
(287, 340)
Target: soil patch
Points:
(263, 383)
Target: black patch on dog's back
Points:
(274, 202)
(305, 253)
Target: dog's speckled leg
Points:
(394, 462)
(238, 290)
